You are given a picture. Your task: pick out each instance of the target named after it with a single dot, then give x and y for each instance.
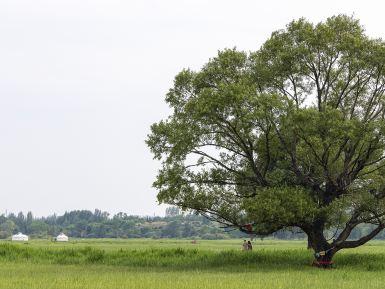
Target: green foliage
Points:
(87, 224)
(291, 135)
(279, 207)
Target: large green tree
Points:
(291, 135)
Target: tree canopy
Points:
(291, 135)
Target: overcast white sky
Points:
(82, 81)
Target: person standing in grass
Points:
(249, 246)
(245, 246)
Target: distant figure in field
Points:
(245, 246)
(249, 246)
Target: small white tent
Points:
(62, 238)
(19, 237)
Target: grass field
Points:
(161, 264)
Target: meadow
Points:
(144, 263)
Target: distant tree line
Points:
(99, 224)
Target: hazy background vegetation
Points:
(99, 224)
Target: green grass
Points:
(179, 264)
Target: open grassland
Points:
(179, 264)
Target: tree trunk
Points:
(323, 251)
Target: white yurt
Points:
(19, 237)
(62, 238)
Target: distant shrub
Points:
(95, 256)
(4, 235)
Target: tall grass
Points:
(182, 258)
(165, 264)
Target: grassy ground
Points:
(180, 264)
